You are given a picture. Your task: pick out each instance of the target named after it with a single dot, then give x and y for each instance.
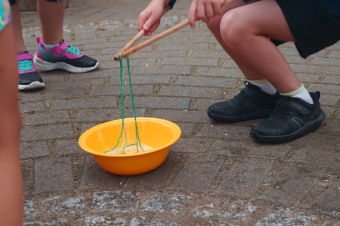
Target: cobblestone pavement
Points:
(215, 174)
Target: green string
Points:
(122, 108)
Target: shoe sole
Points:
(309, 127)
(47, 66)
(33, 85)
(231, 119)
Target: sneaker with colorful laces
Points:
(63, 56)
(28, 76)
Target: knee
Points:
(234, 29)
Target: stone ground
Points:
(215, 174)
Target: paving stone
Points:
(210, 82)
(328, 201)
(46, 118)
(95, 177)
(161, 54)
(162, 102)
(203, 104)
(161, 71)
(331, 79)
(146, 221)
(104, 115)
(189, 92)
(33, 150)
(54, 174)
(316, 141)
(142, 80)
(100, 220)
(325, 89)
(181, 116)
(58, 206)
(167, 203)
(73, 84)
(46, 132)
(190, 145)
(32, 107)
(197, 174)
(314, 69)
(284, 217)
(209, 54)
(318, 158)
(292, 185)
(115, 201)
(47, 94)
(308, 78)
(329, 100)
(225, 72)
(186, 128)
(115, 90)
(190, 61)
(225, 131)
(186, 46)
(29, 210)
(244, 149)
(100, 102)
(70, 147)
(59, 222)
(244, 178)
(158, 178)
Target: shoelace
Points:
(25, 65)
(72, 50)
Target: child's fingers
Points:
(209, 11)
(218, 8)
(201, 12)
(142, 18)
(192, 14)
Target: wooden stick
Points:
(157, 37)
(154, 39)
(136, 38)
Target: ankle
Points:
(265, 86)
(300, 93)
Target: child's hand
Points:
(149, 19)
(204, 10)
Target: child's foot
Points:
(63, 56)
(28, 76)
(291, 119)
(250, 103)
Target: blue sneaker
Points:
(28, 76)
(63, 56)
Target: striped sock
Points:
(265, 86)
(300, 93)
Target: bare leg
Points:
(244, 38)
(51, 16)
(16, 22)
(11, 187)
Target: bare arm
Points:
(11, 186)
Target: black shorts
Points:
(314, 24)
(12, 2)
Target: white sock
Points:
(265, 86)
(300, 93)
(50, 46)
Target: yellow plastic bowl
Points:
(159, 134)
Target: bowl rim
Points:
(82, 138)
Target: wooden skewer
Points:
(157, 37)
(136, 38)
(154, 39)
